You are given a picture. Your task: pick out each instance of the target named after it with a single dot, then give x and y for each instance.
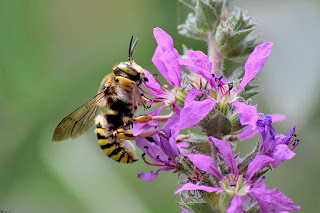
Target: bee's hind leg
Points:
(124, 134)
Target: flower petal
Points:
(277, 117)
(163, 39)
(205, 163)
(281, 153)
(170, 150)
(272, 199)
(255, 63)
(250, 132)
(258, 163)
(150, 176)
(235, 205)
(194, 111)
(191, 186)
(200, 64)
(173, 67)
(174, 121)
(289, 135)
(183, 147)
(226, 152)
(166, 57)
(248, 115)
(151, 149)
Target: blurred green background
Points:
(53, 55)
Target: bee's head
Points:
(130, 69)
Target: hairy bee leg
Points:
(143, 118)
(127, 134)
(124, 134)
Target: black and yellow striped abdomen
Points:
(116, 148)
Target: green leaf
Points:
(189, 29)
(232, 70)
(206, 16)
(189, 3)
(240, 36)
(234, 36)
(199, 207)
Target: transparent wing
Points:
(78, 122)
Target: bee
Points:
(118, 98)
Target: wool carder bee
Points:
(118, 97)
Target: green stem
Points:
(214, 56)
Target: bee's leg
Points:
(124, 134)
(142, 118)
(127, 134)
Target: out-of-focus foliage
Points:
(53, 55)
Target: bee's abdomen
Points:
(118, 149)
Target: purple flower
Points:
(200, 64)
(250, 131)
(166, 60)
(162, 151)
(240, 187)
(276, 145)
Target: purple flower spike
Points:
(194, 111)
(166, 57)
(255, 63)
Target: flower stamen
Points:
(163, 86)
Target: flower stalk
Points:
(214, 56)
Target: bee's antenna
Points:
(131, 48)
(130, 52)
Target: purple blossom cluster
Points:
(196, 98)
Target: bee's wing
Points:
(78, 122)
